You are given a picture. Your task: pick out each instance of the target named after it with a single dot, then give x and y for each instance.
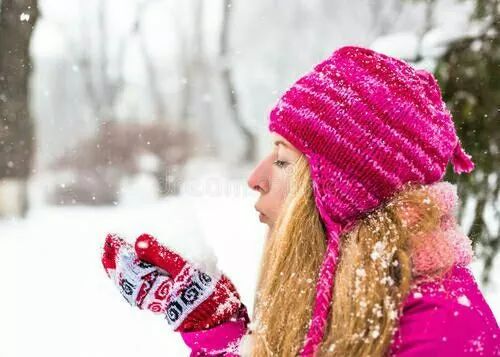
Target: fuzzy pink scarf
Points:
(445, 246)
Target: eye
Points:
(280, 163)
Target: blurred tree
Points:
(227, 79)
(197, 68)
(17, 20)
(102, 72)
(469, 75)
(160, 107)
(92, 171)
(102, 87)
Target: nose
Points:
(259, 177)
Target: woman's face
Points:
(271, 178)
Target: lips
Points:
(262, 216)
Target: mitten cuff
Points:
(223, 338)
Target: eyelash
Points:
(280, 163)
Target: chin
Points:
(269, 230)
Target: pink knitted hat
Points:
(368, 124)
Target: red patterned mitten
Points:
(156, 278)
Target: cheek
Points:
(278, 192)
(282, 189)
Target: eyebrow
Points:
(279, 142)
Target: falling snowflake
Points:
(376, 332)
(378, 250)
(360, 272)
(24, 17)
(393, 315)
(463, 300)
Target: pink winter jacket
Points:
(445, 318)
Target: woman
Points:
(364, 255)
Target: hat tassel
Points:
(461, 161)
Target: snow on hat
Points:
(368, 124)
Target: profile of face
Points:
(271, 178)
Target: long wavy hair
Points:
(373, 273)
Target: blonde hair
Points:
(372, 279)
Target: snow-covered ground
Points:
(57, 301)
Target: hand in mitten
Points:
(154, 277)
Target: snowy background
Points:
(56, 299)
